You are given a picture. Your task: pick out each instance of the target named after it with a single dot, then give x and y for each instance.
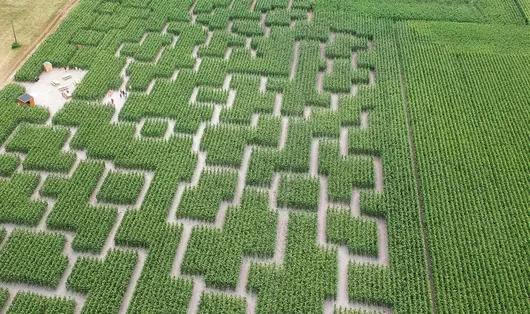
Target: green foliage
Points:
(308, 275)
(248, 101)
(16, 205)
(31, 303)
(43, 148)
(344, 45)
(249, 229)
(147, 51)
(360, 235)
(213, 303)
(299, 192)
(14, 114)
(267, 132)
(87, 37)
(369, 284)
(278, 18)
(268, 5)
(475, 136)
(274, 54)
(72, 211)
(439, 79)
(220, 42)
(247, 28)
(202, 202)
(452, 10)
(350, 311)
(121, 188)
(8, 164)
(525, 6)
(104, 75)
(344, 76)
(212, 72)
(344, 173)
(104, 281)
(33, 258)
(466, 37)
(212, 95)
(224, 145)
(161, 103)
(4, 294)
(154, 128)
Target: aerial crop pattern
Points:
(261, 163)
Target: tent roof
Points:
(25, 98)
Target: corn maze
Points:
(258, 163)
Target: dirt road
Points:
(6, 76)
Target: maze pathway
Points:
(232, 175)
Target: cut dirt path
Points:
(7, 74)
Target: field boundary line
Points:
(415, 168)
(520, 8)
(51, 27)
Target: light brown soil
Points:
(142, 40)
(313, 164)
(216, 115)
(320, 82)
(354, 59)
(354, 89)
(296, 54)
(197, 65)
(194, 93)
(382, 230)
(254, 120)
(170, 129)
(322, 211)
(343, 141)
(208, 39)
(342, 284)
(267, 31)
(329, 67)
(277, 111)
(283, 137)
(273, 192)
(281, 237)
(364, 120)
(175, 75)
(164, 30)
(334, 102)
(142, 256)
(263, 84)
(28, 49)
(153, 82)
(242, 175)
(118, 52)
(226, 83)
(231, 98)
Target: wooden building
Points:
(26, 99)
(48, 67)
